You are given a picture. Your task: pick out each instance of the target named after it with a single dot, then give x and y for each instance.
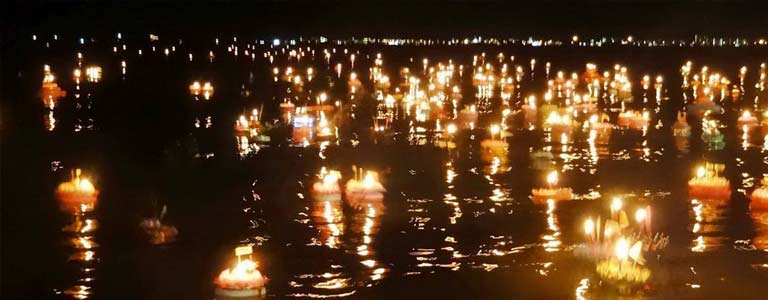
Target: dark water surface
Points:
(452, 225)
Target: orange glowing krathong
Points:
(634, 119)
(495, 146)
(51, 92)
(243, 280)
(619, 269)
(552, 192)
(600, 129)
(206, 89)
(708, 184)
(365, 190)
(747, 121)
(759, 196)
(78, 193)
(327, 188)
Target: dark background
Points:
(644, 18)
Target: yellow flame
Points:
(552, 178)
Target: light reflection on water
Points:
(478, 217)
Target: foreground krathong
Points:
(243, 281)
(78, 193)
(618, 246)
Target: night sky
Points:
(644, 18)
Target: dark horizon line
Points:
(423, 19)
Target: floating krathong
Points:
(51, 92)
(626, 267)
(303, 127)
(747, 121)
(242, 125)
(708, 184)
(287, 109)
(77, 193)
(600, 130)
(468, 116)
(711, 135)
(551, 192)
(206, 89)
(681, 127)
(327, 188)
(558, 125)
(325, 130)
(633, 119)
(158, 232)
(764, 123)
(495, 146)
(93, 73)
(243, 281)
(530, 111)
(759, 196)
(360, 191)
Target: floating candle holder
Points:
(759, 197)
(327, 188)
(681, 128)
(708, 184)
(243, 281)
(633, 119)
(551, 192)
(77, 193)
(364, 189)
(747, 121)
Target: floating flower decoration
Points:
(244, 280)
(707, 184)
(551, 192)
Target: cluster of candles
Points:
(78, 198)
(205, 89)
(708, 184)
(78, 193)
(633, 119)
(705, 86)
(51, 92)
(364, 188)
(243, 280)
(327, 188)
(552, 192)
(427, 95)
(619, 245)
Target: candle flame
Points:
(552, 178)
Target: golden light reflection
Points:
(552, 239)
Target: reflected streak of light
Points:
(79, 292)
(88, 255)
(700, 245)
(495, 165)
(498, 195)
(332, 284)
(581, 290)
(88, 226)
(552, 243)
